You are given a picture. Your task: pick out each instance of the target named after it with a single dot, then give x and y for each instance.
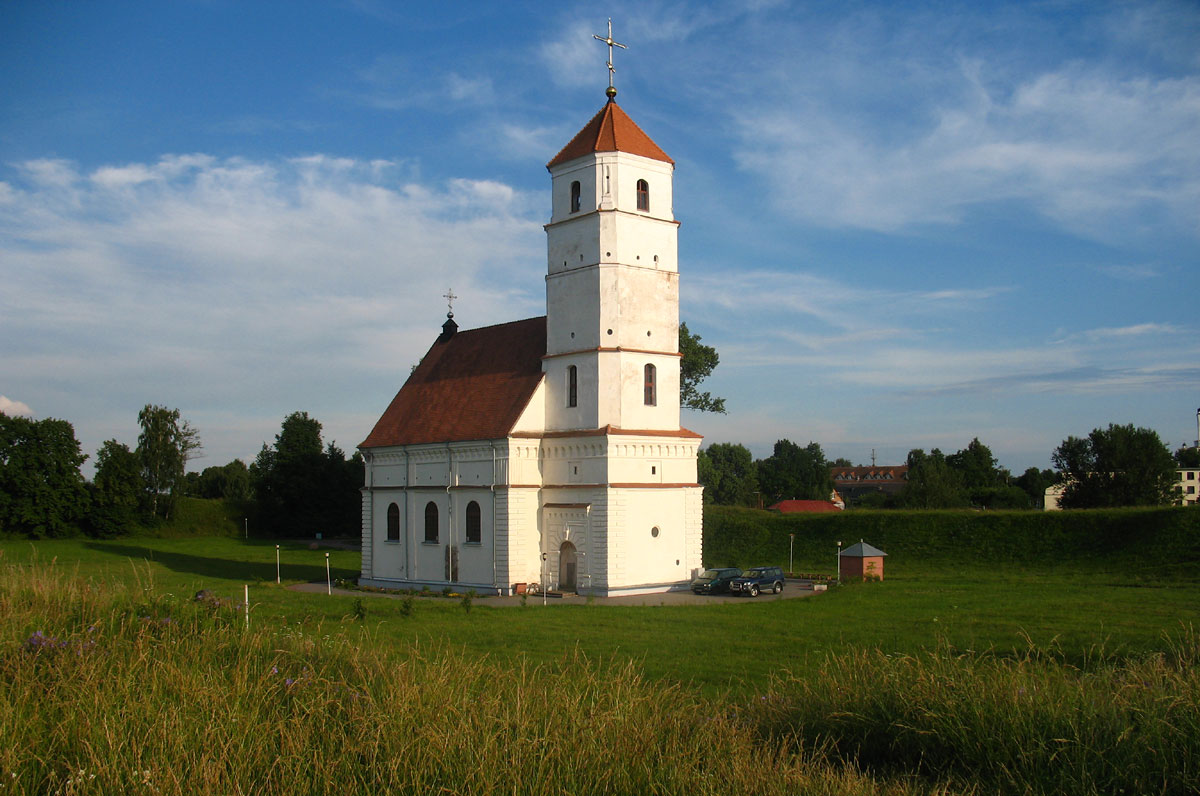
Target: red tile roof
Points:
(610, 130)
(473, 385)
(798, 506)
(864, 474)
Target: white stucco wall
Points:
(618, 172)
(612, 303)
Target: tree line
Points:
(1120, 465)
(296, 487)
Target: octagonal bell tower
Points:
(612, 282)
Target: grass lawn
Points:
(1087, 614)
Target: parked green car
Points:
(758, 579)
(714, 581)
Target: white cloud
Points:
(570, 58)
(837, 305)
(859, 131)
(911, 342)
(1130, 273)
(13, 408)
(209, 283)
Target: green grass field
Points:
(949, 676)
(1082, 613)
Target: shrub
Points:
(1156, 541)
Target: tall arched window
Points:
(572, 386)
(651, 387)
(393, 523)
(575, 191)
(431, 522)
(643, 196)
(474, 524)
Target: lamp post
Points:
(791, 547)
(839, 563)
(328, 582)
(276, 564)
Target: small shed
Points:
(861, 561)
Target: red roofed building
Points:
(854, 482)
(804, 506)
(549, 450)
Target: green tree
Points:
(976, 466)
(792, 472)
(302, 487)
(932, 482)
(164, 448)
(42, 493)
(1117, 466)
(117, 490)
(1034, 482)
(986, 483)
(1187, 457)
(697, 364)
(228, 482)
(728, 474)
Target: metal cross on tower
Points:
(612, 91)
(449, 297)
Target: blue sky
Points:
(903, 224)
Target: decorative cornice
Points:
(682, 433)
(584, 214)
(610, 350)
(652, 486)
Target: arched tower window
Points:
(474, 524)
(575, 191)
(393, 523)
(572, 386)
(431, 522)
(643, 196)
(651, 396)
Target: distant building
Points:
(854, 482)
(804, 506)
(1187, 485)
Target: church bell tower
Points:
(612, 283)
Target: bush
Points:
(1155, 541)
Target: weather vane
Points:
(612, 91)
(449, 297)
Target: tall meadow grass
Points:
(1024, 723)
(124, 689)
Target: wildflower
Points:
(40, 641)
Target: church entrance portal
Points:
(568, 567)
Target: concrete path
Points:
(793, 590)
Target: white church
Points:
(549, 450)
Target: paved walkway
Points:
(793, 589)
